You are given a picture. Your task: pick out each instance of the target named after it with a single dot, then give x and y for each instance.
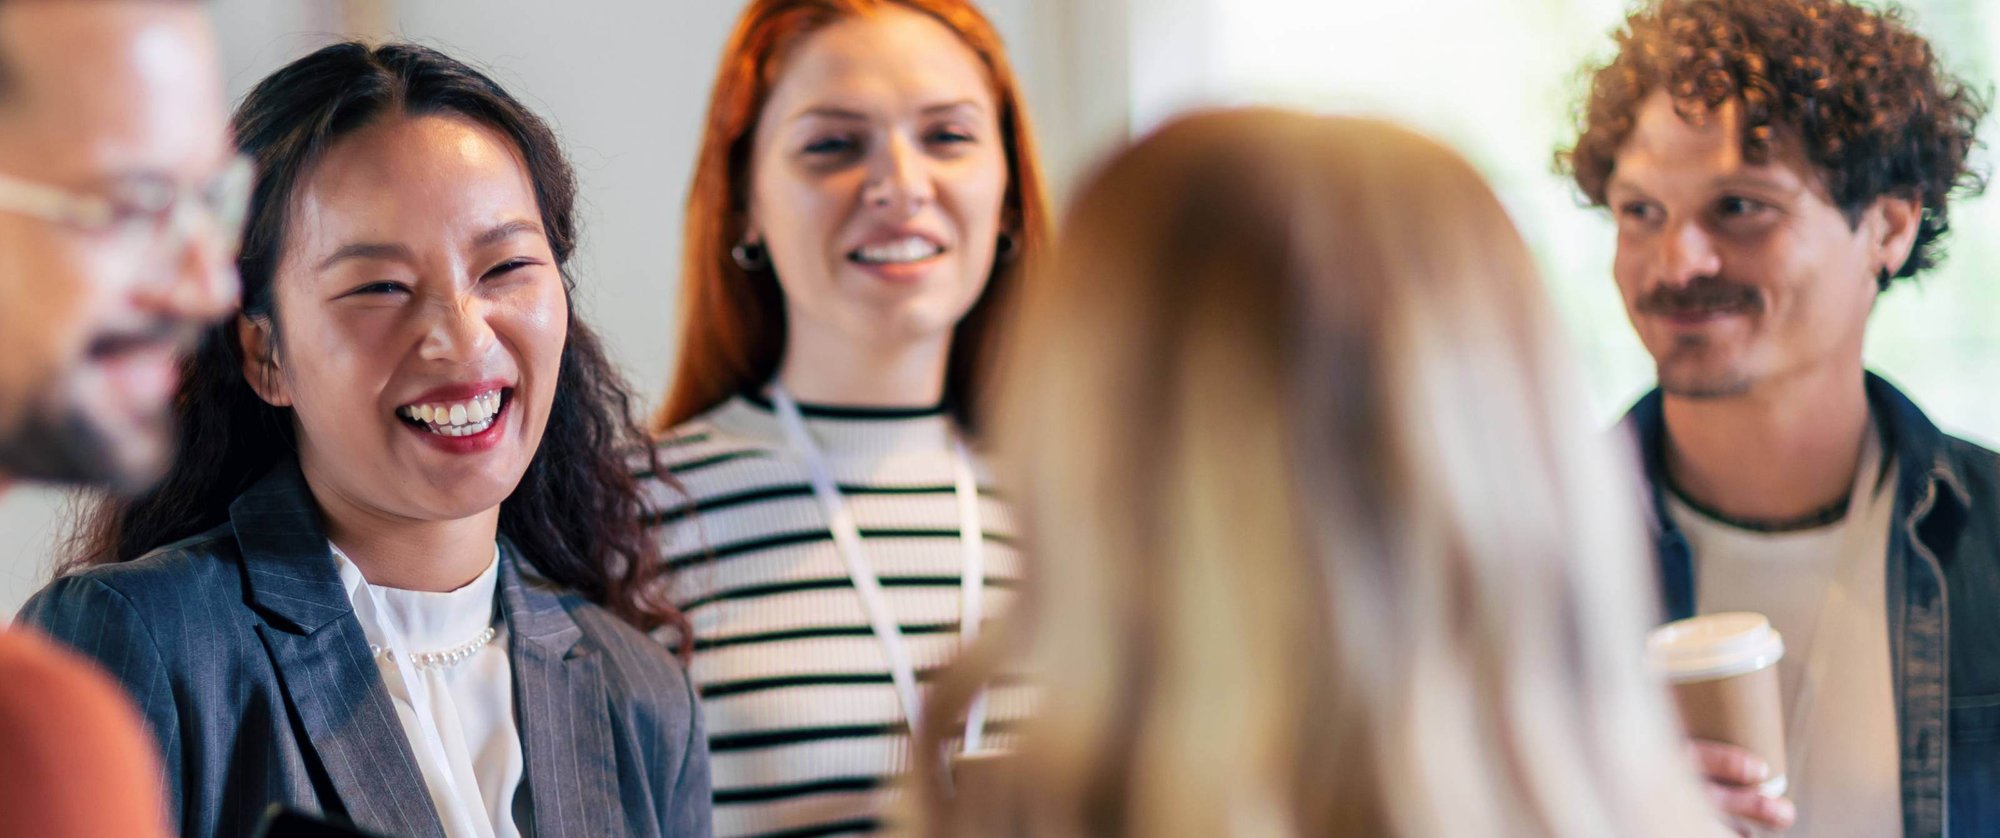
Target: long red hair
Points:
(733, 321)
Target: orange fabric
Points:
(75, 759)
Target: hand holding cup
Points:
(1723, 670)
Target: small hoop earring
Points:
(1003, 248)
(1882, 280)
(750, 256)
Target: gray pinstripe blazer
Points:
(242, 650)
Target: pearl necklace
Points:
(439, 660)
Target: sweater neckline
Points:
(867, 438)
(849, 412)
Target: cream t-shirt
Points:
(1823, 590)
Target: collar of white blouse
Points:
(407, 628)
(424, 624)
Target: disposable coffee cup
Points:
(1723, 670)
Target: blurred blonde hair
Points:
(1323, 541)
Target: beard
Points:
(57, 441)
(1688, 368)
(1700, 387)
(1687, 371)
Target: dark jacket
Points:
(1944, 608)
(242, 651)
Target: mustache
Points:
(1704, 295)
(178, 335)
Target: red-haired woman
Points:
(865, 201)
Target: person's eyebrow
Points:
(503, 232)
(382, 251)
(961, 104)
(837, 112)
(829, 112)
(1619, 183)
(1756, 180)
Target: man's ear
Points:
(1897, 219)
(260, 360)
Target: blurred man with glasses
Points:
(120, 202)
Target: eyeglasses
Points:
(148, 220)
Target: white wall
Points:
(624, 83)
(27, 532)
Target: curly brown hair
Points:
(1859, 90)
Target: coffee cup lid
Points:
(1714, 646)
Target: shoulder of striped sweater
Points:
(698, 440)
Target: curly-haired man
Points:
(1773, 166)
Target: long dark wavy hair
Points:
(577, 511)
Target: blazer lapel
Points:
(322, 659)
(561, 708)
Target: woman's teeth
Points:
(912, 249)
(457, 418)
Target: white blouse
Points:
(443, 657)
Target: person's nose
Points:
(1686, 252)
(900, 180)
(458, 332)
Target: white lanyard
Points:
(847, 540)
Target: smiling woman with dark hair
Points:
(397, 574)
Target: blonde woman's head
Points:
(1322, 541)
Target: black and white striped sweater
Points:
(806, 735)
